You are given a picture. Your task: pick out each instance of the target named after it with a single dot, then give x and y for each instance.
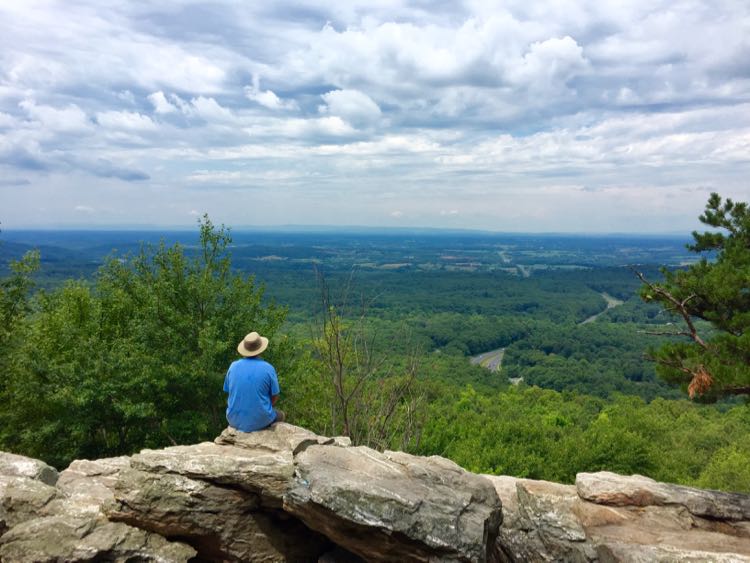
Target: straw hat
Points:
(252, 345)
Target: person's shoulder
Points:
(264, 366)
(238, 364)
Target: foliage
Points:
(540, 434)
(372, 393)
(14, 301)
(715, 362)
(138, 358)
(135, 356)
(14, 309)
(598, 358)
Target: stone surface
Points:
(74, 538)
(616, 552)
(65, 523)
(222, 523)
(286, 494)
(540, 521)
(394, 506)
(21, 499)
(551, 522)
(636, 490)
(87, 485)
(268, 472)
(279, 437)
(14, 465)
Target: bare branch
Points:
(679, 306)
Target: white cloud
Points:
(70, 119)
(126, 96)
(202, 107)
(513, 108)
(209, 109)
(267, 98)
(7, 120)
(126, 120)
(549, 63)
(160, 103)
(351, 105)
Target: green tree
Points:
(372, 392)
(14, 301)
(15, 305)
(712, 299)
(138, 358)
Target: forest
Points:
(116, 341)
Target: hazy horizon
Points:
(344, 229)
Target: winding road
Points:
(492, 360)
(612, 302)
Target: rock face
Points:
(282, 494)
(42, 523)
(286, 494)
(607, 517)
(395, 506)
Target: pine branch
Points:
(680, 306)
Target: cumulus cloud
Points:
(209, 109)
(70, 118)
(267, 98)
(524, 111)
(352, 106)
(160, 103)
(127, 120)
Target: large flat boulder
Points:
(394, 506)
(551, 522)
(265, 471)
(636, 490)
(286, 494)
(540, 521)
(67, 538)
(279, 437)
(87, 486)
(21, 499)
(14, 465)
(220, 522)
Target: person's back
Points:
(253, 386)
(250, 382)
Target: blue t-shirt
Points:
(250, 383)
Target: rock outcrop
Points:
(607, 517)
(286, 494)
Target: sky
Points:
(514, 116)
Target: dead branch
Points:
(680, 306)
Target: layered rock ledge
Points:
(286, 494)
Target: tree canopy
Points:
(712, 300)
(136, 358)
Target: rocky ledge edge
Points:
(287, 494)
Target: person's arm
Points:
(275, 389)
(226, 382)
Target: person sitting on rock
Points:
(253, 387)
